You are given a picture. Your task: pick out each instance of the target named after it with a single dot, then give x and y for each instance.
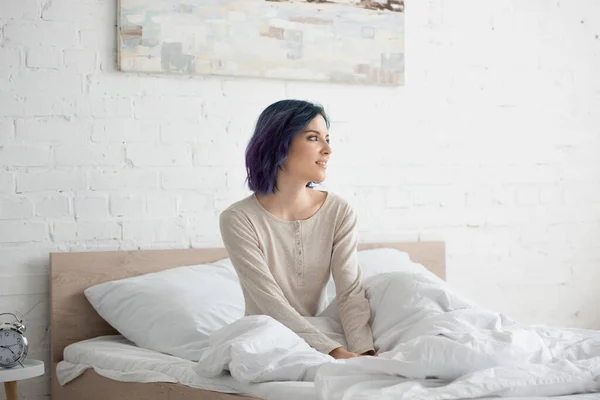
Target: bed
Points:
(72, 318)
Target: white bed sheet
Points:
(116, 358)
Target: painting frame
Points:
(338, 41)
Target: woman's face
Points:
(309, 152)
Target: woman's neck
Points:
(289, 203)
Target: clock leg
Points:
(11, 390)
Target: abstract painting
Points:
(346, 41)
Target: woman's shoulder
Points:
(237, 210)
(336, 198)
(338, 204)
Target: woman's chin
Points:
(319, 179)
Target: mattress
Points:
(116, 358)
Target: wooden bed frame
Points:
(73, 319)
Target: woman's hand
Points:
(340, 353)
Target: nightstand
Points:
(10, 376)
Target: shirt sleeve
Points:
(353, 304)
(242, 246)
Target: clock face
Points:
(12, 347)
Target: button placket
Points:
(298, 250)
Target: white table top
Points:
(17, 373)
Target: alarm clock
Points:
(13, 343)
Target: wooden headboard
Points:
(73, 319)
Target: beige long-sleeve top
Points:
(284, 267)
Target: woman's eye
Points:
(316, 138)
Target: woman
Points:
(286, 238)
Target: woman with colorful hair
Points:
(286, 239)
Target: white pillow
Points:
(172, 311)
(378, 261)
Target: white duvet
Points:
(432, 344)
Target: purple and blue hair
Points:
(277, 125)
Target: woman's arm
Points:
(353, 305)
(255, 277)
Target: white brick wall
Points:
(43, 57)
(492, 146)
